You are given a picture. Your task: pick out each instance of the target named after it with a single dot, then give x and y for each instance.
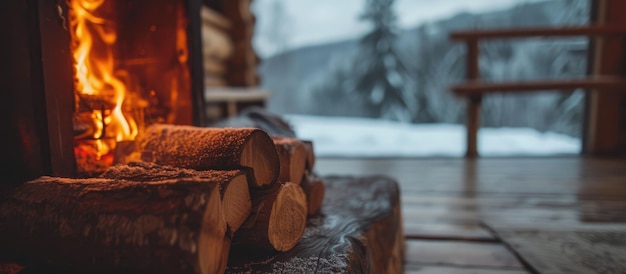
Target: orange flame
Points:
(93, 39)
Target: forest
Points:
(405, 74)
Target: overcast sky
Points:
(322, 21)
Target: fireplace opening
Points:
(85, 77)
(129, 71)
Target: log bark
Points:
(277, 221)
(233, 185)
(359, 231)
(101, 225)
(310, 160)
(314, 190)
(292, 154)
(213, 148)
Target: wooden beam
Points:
(590, 31)
(474, 102)
(603, 84)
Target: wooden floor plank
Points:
(446, 201)
(447, 231)
(426, 269)
(460, 254)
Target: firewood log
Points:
(277, 221)
(99, 225)
(359, 232)
(292, 154)
(233, 185)
(213, 148)
(310, 160)
(314, 190)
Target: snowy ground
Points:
(359, 137)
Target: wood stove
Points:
(149, 50)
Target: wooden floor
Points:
(445, 202)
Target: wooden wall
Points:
(242, 62)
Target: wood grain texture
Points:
(233, 185)
(276, 223)
(315, 190)
(293, 157)
(460, 254)
(213, 148)
(104, 225)
(447, 200)
(593, 248)
(359, 231)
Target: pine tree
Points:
(380, 76)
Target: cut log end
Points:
(297, 164)
(260, 154)
(288, 218)
(293, 158)
(213, 245)
(212, 148)
(310, 161)
(315, 195)
(237, 202)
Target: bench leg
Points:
(472, 125)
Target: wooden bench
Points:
(474, 89)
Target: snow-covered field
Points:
(360, 137)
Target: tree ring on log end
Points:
(259, 153)
(212, 247)
(237, 202)
(288, 217)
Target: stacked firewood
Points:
(199, 196)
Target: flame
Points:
(93, 39)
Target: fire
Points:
(101, 95)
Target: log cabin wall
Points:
(230, 63)
(242, 59)
(37, 82)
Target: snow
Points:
(362, 137)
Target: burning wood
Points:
(176, 205)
